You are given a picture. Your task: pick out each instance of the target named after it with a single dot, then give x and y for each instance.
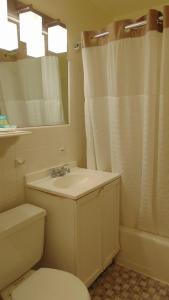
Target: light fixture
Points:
(30, 24)
(31, 33)
(8, 36)
(3, 11)
(8, 30)
(36, 47)
(57, 39)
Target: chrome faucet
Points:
(59, 171)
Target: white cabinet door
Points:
(109, 221)
(88, 238)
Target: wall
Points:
(138, 13)
(120, 9)
(41, 149)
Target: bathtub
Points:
(145, 253)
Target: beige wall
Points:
(137, 14)
(120, 9)
(41, 149)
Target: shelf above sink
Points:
(14, 133)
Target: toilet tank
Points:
(21, 241)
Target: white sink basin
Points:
(74, 185)
(71, 181)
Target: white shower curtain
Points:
(127, 116)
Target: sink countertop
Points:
(73, 185)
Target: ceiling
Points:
(118, 8)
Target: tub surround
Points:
(145, 253)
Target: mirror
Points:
(33, 91)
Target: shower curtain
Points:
(126, 79)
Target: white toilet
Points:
(21, 247)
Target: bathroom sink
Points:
(71, 180)
(73, 185)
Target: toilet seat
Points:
(51, 284)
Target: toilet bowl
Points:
(21, 244)
(50, 284)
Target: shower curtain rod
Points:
(130, 26)
(77, 45)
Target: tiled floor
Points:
(118, 283)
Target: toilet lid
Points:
(51, 284)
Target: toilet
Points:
(21, 247)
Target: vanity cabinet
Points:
(88, 239)
(82, 236)
(109, 221)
